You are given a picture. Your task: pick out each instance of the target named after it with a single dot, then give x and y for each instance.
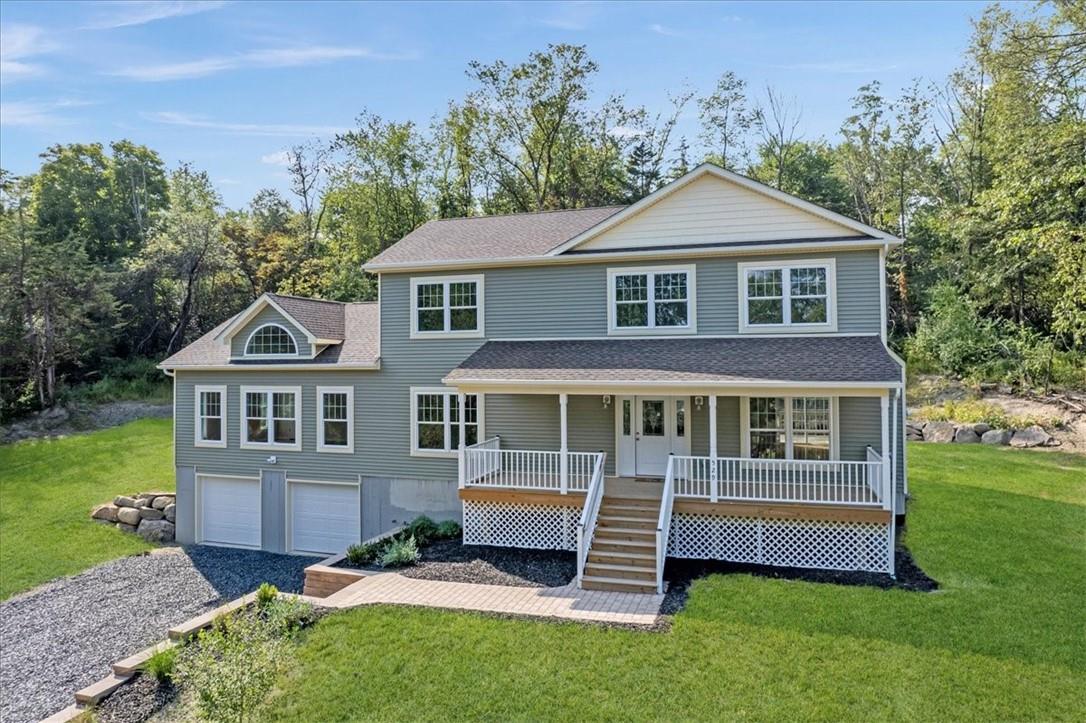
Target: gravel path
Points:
(64, 635)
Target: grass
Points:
(1004, 531)
(47, 490)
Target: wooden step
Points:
(638, 523)
(626, 572)
(132, 663)
(645, 503)
(97, 691)
(626, 533)
(644, 513)
(616, 584)
(636, 559)
(623, 546)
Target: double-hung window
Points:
(335, 419)
(271, 417)
(788, 428)
(796, 296)
(435, 425)
(210, 416)
(447, 306)
(652, 301)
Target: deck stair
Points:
(622, 557)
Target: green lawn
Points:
(47, 490)
(1004, 531)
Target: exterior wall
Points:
(273, 507)
(390, 503)
(268, 315)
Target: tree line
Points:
(107, 254)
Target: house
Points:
(701, 374)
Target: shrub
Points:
(422, 528)
(974, 411)
(124, 379)
(448, 530)
(363, 554)
(287, 615)
(161, 665)
(401, 553)
(952, 337)
(266, 594)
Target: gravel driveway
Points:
(64, 635)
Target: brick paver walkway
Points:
(567, 602)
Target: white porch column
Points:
(461, 445)
(887, 491)
(714, 483)
(563, 464)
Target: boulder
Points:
(150, 513)
(128, 516)
(125, 501)
(170, 512)
(126, 528)
(106, 512)
(156, 531)
(997, 436)
(1034, 436)
(53, 417)
(981, 427)
(160, 502)
(939, 432)
(917, 427)
(966, 435)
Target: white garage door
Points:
(323, 517)
(230, 511)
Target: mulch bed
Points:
(137, 701)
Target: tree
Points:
(777, 121)
(726, 120)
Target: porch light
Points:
(606, 400)
(699, 401)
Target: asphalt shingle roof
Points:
(480, 238)
(694, 360)
(323, 319)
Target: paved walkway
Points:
(566, 602)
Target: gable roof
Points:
(321, 321)
(360, 347)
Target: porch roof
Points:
(786, 361)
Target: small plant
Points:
(363, 554)
(287, 615)
(401, 553)
(266, 594)
(422, 528)
(448, 530)
(160, 666)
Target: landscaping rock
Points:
(939, 432)
(170, 512)
(966, 435)
(106, 512)
(150, 513)
(125, 501)
(160, 502)
(997, 436)
(128, 515)
(126, 528)
(981, 427)
(1034, 436)
(156, 530)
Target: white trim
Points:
(786, 267)
(650, 272)
(198, 419)
(288, 509)
(540, 386)
(783, 335)
(449, 452)
(709, 169)
(446, 332)
(245, 349)
(269, 390)
(882, 294)
(270, 367)
(198, 532)
(321, 446)
(246, 316)
(835, 424)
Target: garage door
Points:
(229, 511)
(323, 517)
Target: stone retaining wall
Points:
(151, 515)
(980, 433)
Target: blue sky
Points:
(229, 85)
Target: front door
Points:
(652, 438)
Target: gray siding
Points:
(727, 428)
(268, 315)
(185, 521)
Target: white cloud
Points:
(35, 113)
(625, 132)
(666, 31)
(123, 14)
(270, 58)
(279, 158)
(18, 42)
(250, 129)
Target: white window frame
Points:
(245, 349)
(448, 452)
(321, 446)
(835, 424)
(244, 443)
(830, 325)
(446, 282)
(691, 326)
(198, 438)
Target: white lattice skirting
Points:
(505, 524)
(788, 543)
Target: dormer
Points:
(277, 328)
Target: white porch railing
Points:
(487, 465)
(780, 480)
(586, 526)
(663, 524)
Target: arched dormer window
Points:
(271, 340)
